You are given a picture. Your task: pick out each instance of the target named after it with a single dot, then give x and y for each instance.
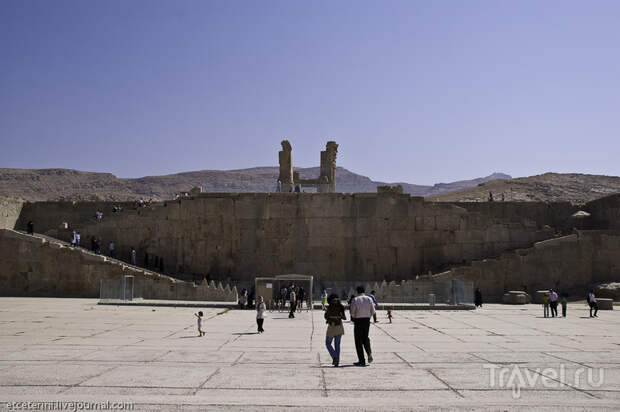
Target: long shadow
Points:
(186, 337)
(245, 333)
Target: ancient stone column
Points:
(328, 168)
(286, 166)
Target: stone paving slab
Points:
(76, 350)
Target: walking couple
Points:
(362, 309)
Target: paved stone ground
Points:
(76, 350)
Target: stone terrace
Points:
(76, 350)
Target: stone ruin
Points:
(325, 183)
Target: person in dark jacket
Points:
(478, 298)
(334, 315)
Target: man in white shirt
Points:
(362, 309)
(592, 303)
(553, 302)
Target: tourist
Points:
(260, 311)
(112, 249)
(592, 303)
(283, 292)
(546, 305)
(362, 308)
(73, 239)
(389, 314)
(279, 186)
(478, 298)
(243, 298)
(30, 227)
(293, 302)
(301, 294)
(564, 303)
(324, 299)
(133, 256)
(334, 315)
(371, 295)
(200, 331)
(77, 239)
(553, 302)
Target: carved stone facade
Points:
(325, 183)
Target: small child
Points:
(200, 331)
(564, 303)
(389, 314)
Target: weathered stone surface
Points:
(605, 304)
(515, 298)
(9, 212)
(426, 360)
(608, 290)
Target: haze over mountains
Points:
(66, 184)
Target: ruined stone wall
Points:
(335, 237)
(605, 213)
(554, 214)
(568, 264)
(48, 216)
(10, 210)
(32, 266)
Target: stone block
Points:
(447, 222)
(424, 223)
(512, 298)
(605, 304)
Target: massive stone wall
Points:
(554, 214)
(10, 210)
(569, 264)
(335, 237)
(605, 213)
(32, 266)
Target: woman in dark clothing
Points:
(478, 298)
(334, 315)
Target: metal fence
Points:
(119, 289)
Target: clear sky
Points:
(416, 91)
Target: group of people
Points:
(141, 203)
(551, 300)
(295, 295)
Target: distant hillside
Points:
(66, 184)
(573, 187)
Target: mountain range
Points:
(67, 184)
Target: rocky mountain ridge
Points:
(68, 184)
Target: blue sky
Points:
(415, 91)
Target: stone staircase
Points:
(39, 265)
